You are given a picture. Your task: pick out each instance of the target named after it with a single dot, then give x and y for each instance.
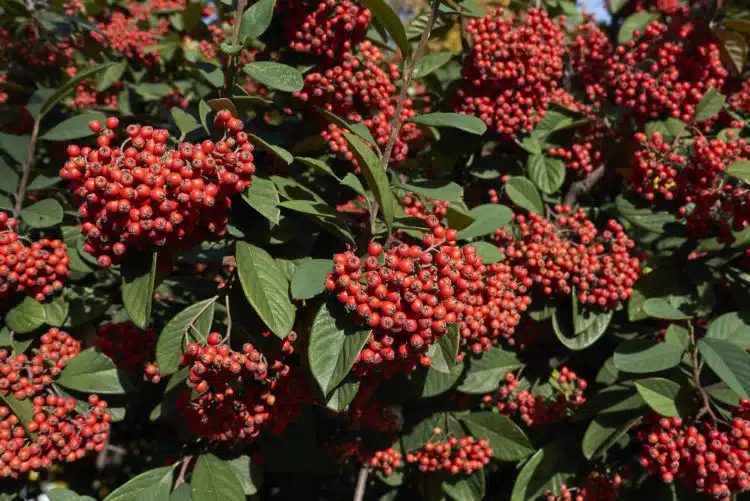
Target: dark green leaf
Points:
(146, 480)
(642, 356)
(487, 219)
(318, 165)
(731, 327)
(138, 281)
(638, 21)
(215, 480)
(256, 19)
(27, 316)
(486, 372)
(266, 288)
(277, 151)
(184, 121)
(604, 431)
(74, 128)
(43, 214)
(524, 194)
(507, 440)
(549, 468)
(248, 473)
(466, 123)
(309, 278)
(377, 179)
(547, 173)
(386, 16)
(436, 190)
(263, 197)
(579, 330)
(660, 394)
(55, 98)
(17, 147)
(342, 395)
(110, 75)
(437, 382)
(212, 72)
(56, 311)
(445, 350)
(193, 324)
(465, 488)
(731, 364)
(335, 343)
(660, 308)
(431, 62)
(740, 170)
(21, 408)
(488, 252)
(93, 372)
(60, 494)
(711, 103)
(275, 75)
(645, 217)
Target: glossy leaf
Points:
(138, 282)
(73, 128)
(93, 372)
(275, 75)
(43, 214)
(262, 196)
(377, 179)
(486, 371)
(309, 278)
(523, 193)
(147, 480)
(445, 350)
(256, 19)
(386, 16)
(27, 316)
(215, 480)
(487, 219)
(731, 364)
(193, 324)
(506, 438)
(466, 123)
(548, 174)
(642, 356)
(711, 104)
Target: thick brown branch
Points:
(584, 186)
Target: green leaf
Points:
(642, 356)
(466, 123)
(43, 181)
(487, 219)
(275, 75)
(93, 372)
(56, 311)
(37, 100)
(60, 93)
(262, 196)
(549, 468)
(143, 482)
(318, 165)
(60, 494)
(335, 343)
(740, 170)
(579, 330)
(256, 19)
(215, 480)
(463, 488)
(248, 473)
(138, 281)
(74, 128)
(193, 324)
(212, 72)
(377, 179)
(524, 194)
(731, 364)
(309, 278)
(110, 75)
(660, 308)
(43, 214)
(436, 190)
(277, 151)
(547, 173)
(357, 128)
(353, 182)
(342, 395)
(638, 21)
(386, 16)
(730, 327)
(266, 288)
(660, 394)
(184, 121)
(203, 110)
(605, 430)
(711, 103)
(485, 372)
(15, 146)
(431, 62)
(21, 408)
(488, 252)
(437, 382)
(181, 493)
(506, 438)
(27, 316)
(445, 350)
(645, 217)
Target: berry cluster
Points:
(124, 33)
(513, 69)
(386, 460)
(703, 457)
(452, 456)
(590, 54)
(58, 431)
(509, 400)
(234, 389)
(130, 348)
(38, 270)
(329, 28)
(666, 71)
(692, 173)
(142, 195)
(570, 252)
(414, 207)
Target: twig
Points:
(229, 320)
(583, 186)
(183, 470)
(359, 491)
(21, 191)
(233, 60)
(696, 365)
(396, 122)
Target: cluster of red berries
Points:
(585, 149)
(57, 433)
(329, 28)
(130, 348)
(590, 54)
(702, 457)
(142, 195)
(234, 389)
(513, 69)
(740, 100)
(452, 456)
(510, 401)
(692, 173)
(569, 252)
(38, 270)
(666, 71)
(414, 207)
(386, 460)
(24, 377)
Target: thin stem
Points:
(359, 490)
(696, 365)
(183, 470)
(396, 122)
(233, 60)
(21, 191)
(229, 319)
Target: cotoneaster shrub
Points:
(296, 250)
